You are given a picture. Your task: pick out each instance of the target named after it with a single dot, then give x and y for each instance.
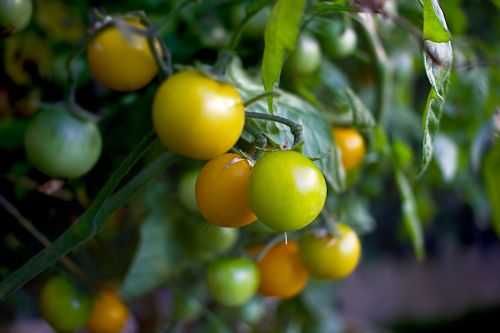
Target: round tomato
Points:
(15, 15)
(351, 145)
(287, 191)
(282, 274)
(338, 41)
(222, 191)
(232, 281)
(122, 62)
(61, 145)
(330, 257)
(306, 57)
(196, 116)
(186, 189)
(63, 306)
(209, 240)
(186, 308)
(109, 315)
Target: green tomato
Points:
(287, 191)
(186, 189)
(63, 306)
(232, 281)
(62, 145)
(306, 57)
(15, 15)
(209, 240)
(338, 42)
(186, 308)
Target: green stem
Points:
(83, 228)
(238, 32)
(261, 96)
(275, 240)
(383, 71)
(295, 128)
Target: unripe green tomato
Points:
(15, 14)
(186, 189)
(63, 306)
(338, 42)
(232, 281)
(210, 240)
(287, 190)
(62, 145)
(186, 308)
(306, 57)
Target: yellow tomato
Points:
(120, 62)
(351, 145)
(109, 315)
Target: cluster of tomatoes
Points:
(68, 309)
(200, 117)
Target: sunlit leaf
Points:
(431, 118)
(435, 28)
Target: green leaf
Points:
(446, 154)
(431, 118)
(354, 211)
(491, 177)
(410, 215)
(438, 72)
(402, 154)
(350, 109)
(316, 128)
(280, 37)
(435, 28)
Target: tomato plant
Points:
(351, 145)
(338, 42)
(121, 60)
(15, 15)
(109, 314)
(62, 145)
(222, 191)
(209, 240)
(63, 306)
(197, 116)
(232, 281)
(282, 274)
(287, 191)
(330, 256)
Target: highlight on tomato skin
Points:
(287, 190)
(222, 191)
(332, 257)
(212, 112)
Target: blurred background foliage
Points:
(155, 250)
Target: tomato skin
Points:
(196, 116)
(109, 315)
(122, 63)
(287, 191)
(222, 191)
(210, 240)
(186, 189)
(330, 257)
(15, 15)
(351, 145)
(282, 274)
(306, 57)
(232, 281)
(338, 43)
(63, 306)
(61, 145)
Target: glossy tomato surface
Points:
(15, 14)
(222, 191)
(109, 314)
(287, 190)
(351, 145)
(330, 257)
(122, 60)
(197, 116)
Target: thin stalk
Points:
(295, 128)
(257, 98)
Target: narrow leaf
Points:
(435, 28)
(438, 72)
(432, 115)
(410, 215)
(280, 37)
(491, 177)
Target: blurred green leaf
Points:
(438, 72)
(280, 37)
(316, 129)
(435, 28)
(354, 211)
(410, 215)
(402, 154)
(446, 155)
(491, 177)
(12, 133)
(432, 116)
